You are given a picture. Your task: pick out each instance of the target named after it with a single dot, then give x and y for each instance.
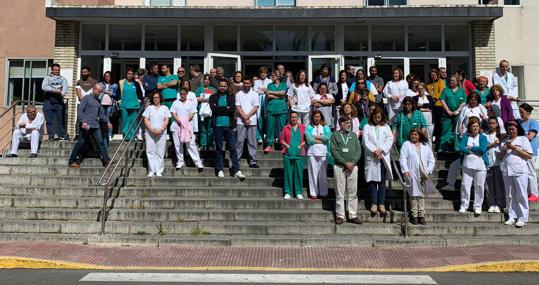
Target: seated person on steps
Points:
(28, 129)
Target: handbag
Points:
(205, 110)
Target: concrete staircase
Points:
(44, 199)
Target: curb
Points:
(13, 262)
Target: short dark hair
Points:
(377, 110)
(293, 112)
(343, 119)
(526, 107)
(55, 65)
(223, 80)
(475, 95)
(520, 130)
(184, 89)
(411, 100)
(129, 69)
(195, 68)
(152, 64)
(161, 99)
(87, 68)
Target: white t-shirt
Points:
(156, 116)
(512, 164)
(301, 97)
(182, 109)
(247, 101)
(345, 89)
(493, 151)
(318, 149)
(473, 161)
(261, 83)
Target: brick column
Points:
(484, 47)
(66, 53)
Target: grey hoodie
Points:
(52, 82)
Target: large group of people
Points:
(351, 123)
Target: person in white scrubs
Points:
(395, 91)
(247, 106)
(300, 95)
(28, 128)
(495, 188)
(417, 163)
(156, 121)
(183, 113)
(318, 135)
(515, 151)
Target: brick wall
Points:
(66, 54)
(484, 46)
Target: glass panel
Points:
(225, 38)
(385, 67)
(397, 2)
(275, 3)
(457, 38)
(291, 38)
(265, 2)
(162, 38)
(125, 37)
(192, 38)
(93, 37)
(96, 65)
(256, 38)
(358, 62)
(228, 64)
(26, 95)
(323, 38)
(387, 38)
(458, 63)
(424, 38)
(421, 67)
(159, 2)
(356, 38)
(386, 2)
(39, 69)
(511, 2)
(317, 64)
(375, 2)
(16, 69)
(39, 95)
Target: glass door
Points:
(420, 67)
(386, 65)
(314, 62)
(229, 62)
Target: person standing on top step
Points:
(247, 105)
(293, 150)
(507, 81)
(156, 118)
(495, 188)
(377, 141)
(318, 134)
(55, 88)
(130, 99)
(260, 86)
(473, 149)
(167, 84)
(183, 112)
(346, 151)
(91, 116)
(276, 110)
(223, 108)
(395, 91)
(515, 151)
(453, 99)
(300, 95)
(417, 163)
(28, 128)
(531, 127)
(203, 94)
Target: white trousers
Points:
(317, 169)
(304, 118)
(155, 152)
(517, 197)
(532, 177)
(19, 137)
(191, 148)
(430, 126)
(346, 182)
(454, 169)
(478, 178)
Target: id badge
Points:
(345, 149)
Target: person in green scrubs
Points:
(407, 119)
(453, 98)
(167, 84)
(293, 143)
(130, 96)
(276, 109)
(203, 94)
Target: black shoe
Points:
(356, 221)
(56, 139)
(12, 155)
(339, 221)
(32, 155)
(105, 163)
(254, 165)
(422, 221)
(415, 221)
(76, 138)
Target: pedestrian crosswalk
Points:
(258, 278)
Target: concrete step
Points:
(199, 228)
(473, 229)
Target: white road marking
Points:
(258, 278)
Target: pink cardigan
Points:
(286, 136)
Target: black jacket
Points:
(218, 111)
(430, 105)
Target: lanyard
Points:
(347, 139)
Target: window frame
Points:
(7, 98)
(275, 4)
(386, 4)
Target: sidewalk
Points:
(434, 259)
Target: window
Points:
(256, 38)
(192, 38)
(162, 38)
(386, 2)
(457, 38)
(25, 78)
(511, 2)
(268, 3)
(225, 38)
(291, 38)
(323, 38)
(424, 38)
(165, 2)
(93, 37)
(125, 37)
(388, 38)
(356, 38)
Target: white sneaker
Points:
(151, 174)
(490, 209)
(477, 211)
(199, 165)
(239, 175)
(287, 196)
(520, 224)
(180, 165)
(449, 187)
(497, 209)
(462, 210)
(221, 174)
(159, 174)
(300, 197)
(510, 222)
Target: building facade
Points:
(415, 35)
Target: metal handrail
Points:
(104, 180)
(404, 185)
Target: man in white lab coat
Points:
(508, 82)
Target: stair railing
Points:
(404, 185)
(11, 123)
(122, 154)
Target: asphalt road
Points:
(70, 277)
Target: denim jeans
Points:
(378, 189)
(88, 138)
(226, 134)
(54, 117)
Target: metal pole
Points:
(405, 212)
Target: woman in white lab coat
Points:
(417, 162)
(515, 151)
(395, 91)
(377, 140)
(156, 121)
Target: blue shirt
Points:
(531, 125)
(149, 83)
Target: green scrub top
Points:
(294, 152)
(222, 121)
(168, 93)
(484, 95)
(277, 106)
(404, 124)
(453, 99)
(129, 96)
